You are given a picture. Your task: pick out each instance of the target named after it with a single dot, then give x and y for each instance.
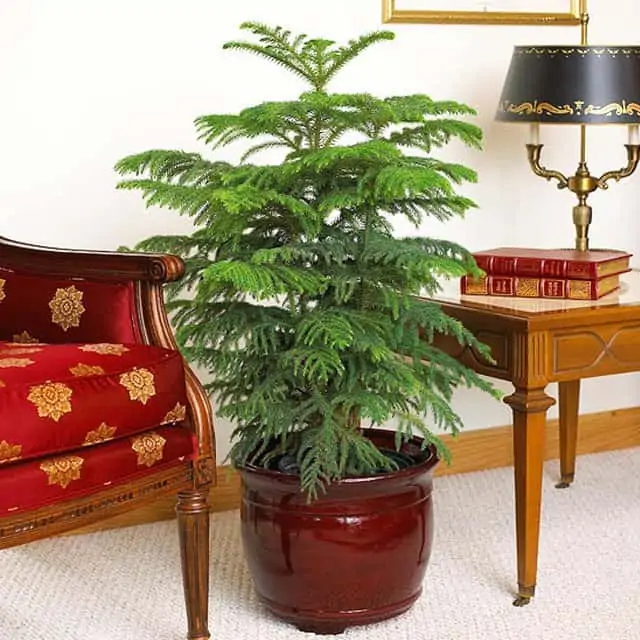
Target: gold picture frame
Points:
(390, 14)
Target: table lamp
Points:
(575, 84)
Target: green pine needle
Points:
(299, 299)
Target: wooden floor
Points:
(475, 450)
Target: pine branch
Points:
(174, 166)
(299, 299)
(276, 46)
(343, 55)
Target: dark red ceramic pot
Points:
(355, 556)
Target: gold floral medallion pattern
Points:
(81, 370)
(9, 452)
(177, 414)
(105, 349)
(3, 295)
(139, 384)
(24, 338)
(149, 448)
(103, 433)
(52, 399)
(18, 351)
(67, 308)
(62, 471)
(7, 363)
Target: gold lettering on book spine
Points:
(553, 289)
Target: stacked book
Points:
(547, 273)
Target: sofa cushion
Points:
(50, 309)
(59, 397)
(36, 483)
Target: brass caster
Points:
(521, 601)
(565, 482)
(524, 595)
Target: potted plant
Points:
(305, 308)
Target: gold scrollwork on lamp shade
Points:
(67, 308)
(614, 108)
(528, 108)
(3, 295)
(584, 84)
(599, 51)
(578, 85)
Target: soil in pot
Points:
(355, 556)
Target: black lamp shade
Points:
(573, 85)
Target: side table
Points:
(535, 342)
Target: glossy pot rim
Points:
(421, 467)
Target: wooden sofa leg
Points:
(193, 525)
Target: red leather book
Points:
(574, 289)
(553, 263)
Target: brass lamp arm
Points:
(633, 155)
(533, 152)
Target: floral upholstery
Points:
(36, 483)
(55, 398)
(55, 310)
(74, 417)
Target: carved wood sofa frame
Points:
(191, 481)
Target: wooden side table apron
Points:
(535, 342)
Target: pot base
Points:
(336, 622)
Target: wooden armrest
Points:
(98, 265)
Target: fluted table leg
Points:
(529, 424)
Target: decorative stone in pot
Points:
(356, 555)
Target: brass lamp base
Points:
(582, 184)
(582, 214)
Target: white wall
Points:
(83, 83)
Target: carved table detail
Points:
(597, 350)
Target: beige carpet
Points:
(124, 584)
